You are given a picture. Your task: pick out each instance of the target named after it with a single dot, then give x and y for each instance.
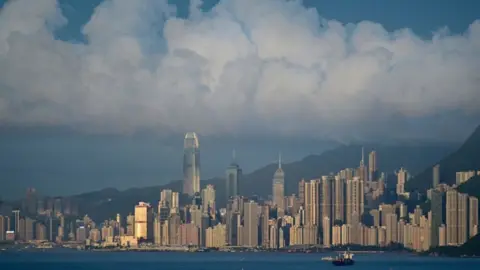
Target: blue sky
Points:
(422, 16)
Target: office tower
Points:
(417, 215)
(473, 216)
(436, 176)
(326, 198)
(31, 201)
(462, 217)
(437, 217)
(355, 199)
(250, 228)
(311, 202)
(29, 229)
(339, 199)
(264, 227)
(234, 176)
(361, 171)
(41, 232)
(327, 239)
(130, 225)
(208, 199)
(278, 186)
(175, 200)
(372, 166)
(2, 228)
(191, 164)
(166, 198)
(385, 210)
(16, 221)
(391, 228)
(157, 231)
(143, 221)
(452, 217)
(401, 180)
(301, 192)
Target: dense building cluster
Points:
(351, 207)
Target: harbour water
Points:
(70, 260)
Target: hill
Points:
(467, 157)
(106, 203)
(470, 248)
(471, 187)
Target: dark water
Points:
(71, 260)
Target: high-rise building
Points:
(437, 217)
(452, 217)
(208, 199)
(250, 228)
(339, 199)
(372, 166)
(462, 217)
(436, 176)
(2, 228)
(401, 180)
(143, 221)
(234, 175)
(312, 205)
(278, 186)
(191, 164)
(473, 216)
(301, 192)
(16, 226)
(166, 198)
(355, 199)
(326, 198)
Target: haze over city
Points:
(95, 93)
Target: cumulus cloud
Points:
(247, 66)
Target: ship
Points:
(344, 259)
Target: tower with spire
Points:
(233, 178)
(278, 186)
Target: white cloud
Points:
(248, 66)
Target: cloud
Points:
(246, 67)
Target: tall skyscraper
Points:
(16, 227)
(278, 186)
(436, 220)
(362, 170)
(462, 217)
(339, 199)
(208, 199)
(372, 166)
(473, 216)
(436, 176)
(301, 192)
(234, 175)
(2, 228)
(452, 217)
(326, 198)
(401, 180)
(250, 228)
(355, 199)
(191, 164)
(143, 221)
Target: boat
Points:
(344, 259)
(329, 258)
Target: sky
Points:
(292, 72)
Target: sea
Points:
(83, 260)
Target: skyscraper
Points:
(473, 216)
(143, 221)
(191, 164)
(452, 217)
(355, 199)
(208, 199)
(279, 186)
(436, 220)
(234, 175)
(339, 199)
(401, 180)
(250, 228)
(436, 176)
(372, 166)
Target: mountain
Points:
(107, 202)
(467, 157)
(470, 248)
(471, 187)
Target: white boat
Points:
(328, 258)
